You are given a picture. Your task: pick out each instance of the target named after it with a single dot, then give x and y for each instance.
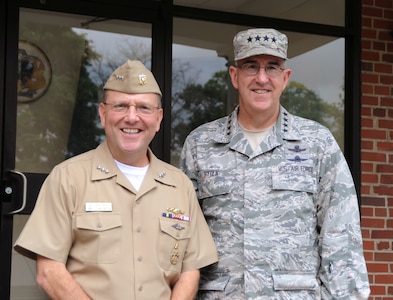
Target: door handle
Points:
(15, 193)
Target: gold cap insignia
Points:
(133, 78)
(142, 79)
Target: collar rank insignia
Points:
(102, 169)
(119, 77)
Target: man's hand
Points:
(187, 286)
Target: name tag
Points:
(98, 206)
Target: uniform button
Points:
(99, 225)
(140, 258)
(139, 229)
(138, 202)
(140, 288)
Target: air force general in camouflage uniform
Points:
(284, 215)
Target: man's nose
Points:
(261, 76)
(131, 113)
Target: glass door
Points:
(63, 62)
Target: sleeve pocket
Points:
(214, 282)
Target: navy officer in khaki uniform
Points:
(116, 222)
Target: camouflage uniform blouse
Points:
(284, 217)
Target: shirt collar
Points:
(104, 166)
(284, 128)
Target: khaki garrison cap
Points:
(133, 78)
(259, 41)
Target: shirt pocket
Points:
(214, 188)
(294, 177)
(212, 183)
(294, 281)
(98, 237)
(174, 238)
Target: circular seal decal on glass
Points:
(34, 72)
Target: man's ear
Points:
(233, 74)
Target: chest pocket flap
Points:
(295, 177)
(175, 228)
(98, 222)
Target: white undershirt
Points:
(255, 137)
(134, 174)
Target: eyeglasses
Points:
(253, 69)
(140, 108)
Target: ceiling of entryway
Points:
(324, 12)
(330, 12)
(218, 36)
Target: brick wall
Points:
(377, 144)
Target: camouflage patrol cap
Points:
(260, 41)
(133, 78)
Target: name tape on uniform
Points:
(98, 206)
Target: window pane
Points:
(199, 78)
(64, 61)
(316, 87)
(202, 91)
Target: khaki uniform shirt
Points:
(118, 243)
(284, 217)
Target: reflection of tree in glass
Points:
(86, 132)
(128, 48)
(194, 105)
(299, 100)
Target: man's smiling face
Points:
(130, 133)
(260, 92)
